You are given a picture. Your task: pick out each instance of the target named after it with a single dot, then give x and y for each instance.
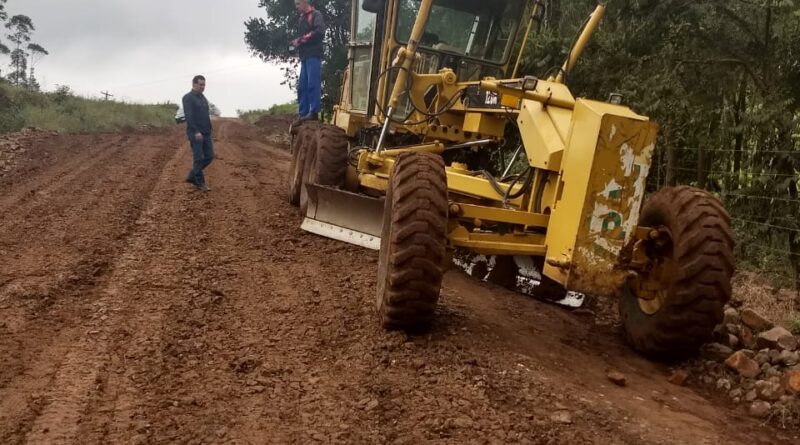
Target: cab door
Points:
(362, 41)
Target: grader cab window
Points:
(477, 29)
(363, 34)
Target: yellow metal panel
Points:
(427, 148)
(543, 144)
(548, 93)
(617, 110)
(485, 124)
(373, 182)
(494, 244)
(442, 132)
(477, 187)
(494, 214)
(562, 120)
(566, 212)
(348, 121)
(604, 174)
(370, 164)
(510, 101)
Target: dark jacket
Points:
(195, 108)
(312, 33)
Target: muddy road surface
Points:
(136, 310)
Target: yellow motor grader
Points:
(431, 99)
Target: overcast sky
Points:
(148, 50)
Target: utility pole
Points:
(106, 94)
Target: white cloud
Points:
(148, 50)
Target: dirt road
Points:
(136, 310)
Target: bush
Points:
(252, 116)
(63, 111)
(10, 119)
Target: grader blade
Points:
(344, 216)
(515, 273)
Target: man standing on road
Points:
(198, 129)
(309, 48)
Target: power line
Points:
(767, 198)
(744, 152)
(774, 249)
(186, 76)
(790, 229)
(717, 172)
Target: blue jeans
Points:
(202, 156)
(309, 86)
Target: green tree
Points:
(722, 78)
(20, 32)
(269, 37)
(20, 28)
(3, 17)
(35, 53)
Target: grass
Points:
(65, 112)
(252, 116)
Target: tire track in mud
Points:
(217, 320)
(60, 219)
(193, 352)
(47, 333)
(63, 172)
(81, 375)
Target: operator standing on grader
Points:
(311, 27)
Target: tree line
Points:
(22, 52)
(721, 77)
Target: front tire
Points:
(413, 241)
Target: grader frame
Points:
(397, 172)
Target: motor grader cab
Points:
(432, 94)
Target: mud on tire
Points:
(700, 263)
(309, 133)
(295, 179)
(330, 165)
(411, 262)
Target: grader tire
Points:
(700, 264)
(412, 257)
(310, 145)
(295, 181)
(330, 165)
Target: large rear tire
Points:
(295, 181)
(330, 165)
(309, 161)
(693, 266)
(413, 240)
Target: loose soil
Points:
(134, 309)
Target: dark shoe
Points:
(191, 181)
(203, 188)
(310, 117)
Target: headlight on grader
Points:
(530, 83)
